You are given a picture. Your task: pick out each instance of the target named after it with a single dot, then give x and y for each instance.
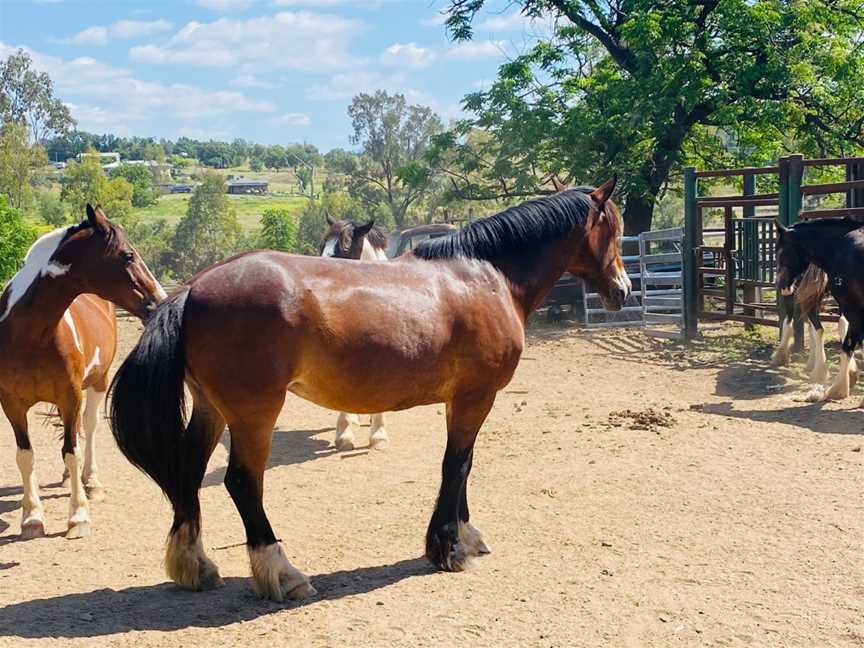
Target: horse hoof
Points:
(210, 579)
(836, 394)
(380, 443)
(78, 530)
(95, 493)
(32, 529)
(472, 540)
(345, 443)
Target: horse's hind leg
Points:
(817, 365)
(378, 439)
(90, 421)
(185, 560)
(32, 515)
(79, 513)
(345, 432)
(470, 536)
(447, 536)
(273, 577)
(780, 358)
(840, 388)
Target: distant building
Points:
(169, 188)
(245, 186)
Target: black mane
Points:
(509, 231)
(377, 238)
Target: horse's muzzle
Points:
(618, 293)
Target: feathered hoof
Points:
(345, 442)
(379, 441)
(819, 376)
(78, 530)
(95, 493)
(837, 392)
(274, 578)
(33, 528)
(779, 359)
(473, 540)
(186, 563)
(446, 554)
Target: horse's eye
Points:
(128, 257)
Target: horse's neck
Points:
(35, 315)
(823, 248)
(533, 273)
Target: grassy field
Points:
(248, 208)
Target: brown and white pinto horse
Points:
(448, 326)
(56, 341)
(346, 239)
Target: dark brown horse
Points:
(346, 239)
(56, 341)
(448, 326)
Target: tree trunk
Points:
(638, 212)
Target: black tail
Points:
(148, 405)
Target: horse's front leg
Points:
(782, 353)
(345, 432)
(450, 539)
(79, 514)
(378, 439)
(32, 515)
(816, 364)
(92, 485)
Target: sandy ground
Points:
(718, 511)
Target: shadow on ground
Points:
(289, 447)
(809, 416)
(166, 608)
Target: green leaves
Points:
(16, 237)
(278, 230)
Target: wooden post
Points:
(690, 261)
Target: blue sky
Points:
(270, 71)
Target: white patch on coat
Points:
(93, 364)
(330, 247)
(37, 263)
(67, 317)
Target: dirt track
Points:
(717, 511)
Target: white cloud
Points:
(367, 4)
(346, 85)
(108, 98)
(250, 81)
(407, 55)
(225, 5)
(475, 49)
(435, 21)
(293, 40)
(294, 119)
(510, 22)
(100, 35)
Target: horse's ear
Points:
(602, 193)
(97, 218)
(329, 218)
(781, 228)
(363, 230)
(558, 184)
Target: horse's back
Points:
(308, 323)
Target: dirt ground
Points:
(632, 495)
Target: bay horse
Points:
(835, 246)
(346, 239)
(448, 326)
(809, 294)
(58, 338)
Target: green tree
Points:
(275, 157)
(27, 97)
(16, 237)
(278, 230)
(18, 158)
(208, 232)
(393, 137)
(144, 193)
(640, 87)
(85, 181)
(51, 209)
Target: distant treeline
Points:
(211, 153)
